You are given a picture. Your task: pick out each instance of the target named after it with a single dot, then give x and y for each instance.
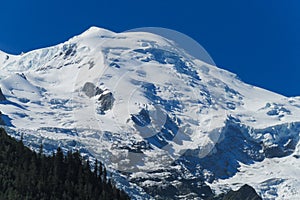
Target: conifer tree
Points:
(28, 175)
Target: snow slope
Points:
(154, 114)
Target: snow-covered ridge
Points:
(131, 98)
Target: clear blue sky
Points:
(257, 39)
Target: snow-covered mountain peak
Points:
(94, 32)
(147, 108)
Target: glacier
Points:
(166, 124)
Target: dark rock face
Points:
(246, 192)
(91, 90)
(69, 50)
(106, 101)
(170, 185)
(135, 146)
(1, 120)
(2, 97)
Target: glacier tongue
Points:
(154, 114)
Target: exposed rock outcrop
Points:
(105, 97)
(246, 192)
(106, 101)
(91, 90)
(1, 120)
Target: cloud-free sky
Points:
(259, 40)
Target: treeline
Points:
(25, 174)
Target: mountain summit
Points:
(166, 124)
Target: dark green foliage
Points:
(25, 174)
